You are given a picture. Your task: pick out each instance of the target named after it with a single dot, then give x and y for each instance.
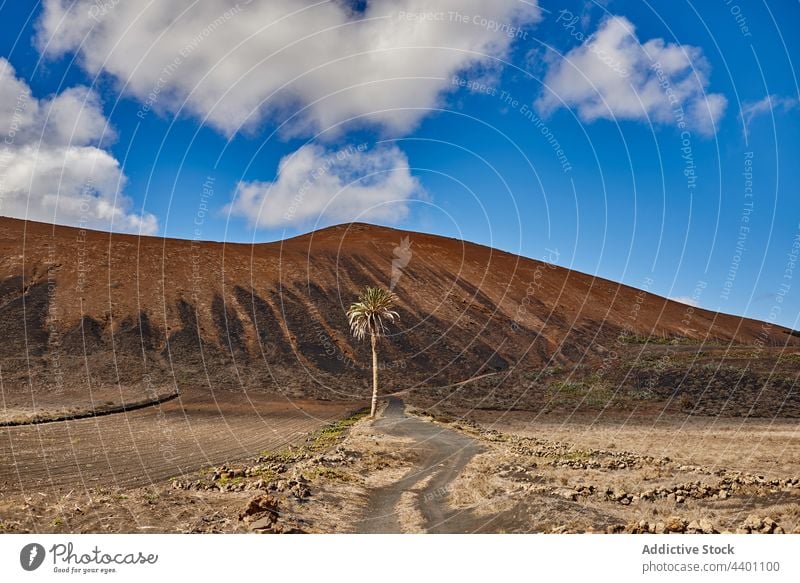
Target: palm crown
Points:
(369, 313)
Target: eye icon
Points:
(31, 556)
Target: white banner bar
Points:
(354, 558)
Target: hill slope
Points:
(83, 308)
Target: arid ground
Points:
(408, 471)
(158, 385)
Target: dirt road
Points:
(441, 455)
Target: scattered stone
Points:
(567, 494)
(675, 524)
(264, 524)
(706, 527)
(757, 525)
(258, 505)
(769, 526)
(753, 522)
(300, 491)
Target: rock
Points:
(675, 524)
(265, 524)
(567, 494)
(693, 527)
(660, 528)
(636, 527)
(258, 505)
(706, 527)
(300, 491)
(680, 499)
(753, 522)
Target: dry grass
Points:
(768, 447)
(408, 513)
(532, 491)
(542, 476)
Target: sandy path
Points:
(442, 454)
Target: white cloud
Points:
(52, 166)
(315, 185)
(75, 117)
(233, 65)
(612, 75)
(768, 104)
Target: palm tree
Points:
(367, 316)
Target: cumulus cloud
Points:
(232, 65)
(52, 167)
(612, 75)
(316, 185)
(770, 103)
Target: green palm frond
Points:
(371, 312)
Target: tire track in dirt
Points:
(442, 455)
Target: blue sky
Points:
(644, 143)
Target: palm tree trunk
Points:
(374, 341)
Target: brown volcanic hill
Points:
(85, 309)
